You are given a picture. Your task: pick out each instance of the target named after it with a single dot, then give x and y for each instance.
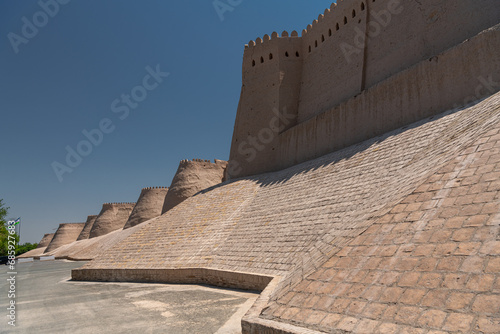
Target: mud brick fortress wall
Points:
(390, 226)
(363, 68)
(47, 238)
(112, 217)
(191, 177)
(85, 234)
(148, 206)
(65, 234)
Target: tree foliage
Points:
(26, 247)
(3, 212)
(4, 235)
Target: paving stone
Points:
(488, 325)
(459, 300)
(394, 234)
(432, 318)
(458, 322)
(489, 304)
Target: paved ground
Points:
(47, 302)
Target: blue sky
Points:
(65, 77)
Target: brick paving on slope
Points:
(431, 264)
(363, 237)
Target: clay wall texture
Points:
(295, 224)
(112, 217)
(88, 249)
(192, 177)
(429, 263)
(404, 33)
(34, 253)
(396, 101)
(336, 64)
(65, 234)
(387, 220)
(47, 238)
(88, 226)
(148, 206)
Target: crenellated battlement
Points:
(149, 205)
(120, 203)
(274, 36)
(338, 16)
(351, 49)
(268, 40)
(343, 15)
(152, 188)
(191, 177)
(272, 49)
(203, 161)
(64, 226)
(115, 205)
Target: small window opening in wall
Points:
(316, 43)
(322, 38)
(297, 54)
(270, 56)
(353, 13)
(362, 6)
(337, 27)
(329, 32)
(253, 62)
(309, 49)
(286, 54)
(345, 20)
(261, 60)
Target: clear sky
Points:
(71, 70)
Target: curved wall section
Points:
(149, 205)
(193, 177)
(113, 216)
(88, 226)
(65, 234)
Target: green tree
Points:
(26, 247)
(4, 233)
(3, 212)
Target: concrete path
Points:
(47, 302)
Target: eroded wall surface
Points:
(400, 34)
(65, 234)
(413, 94)
(85, 234)
(357, 48)
(148, 206)
(290, 222)
(112, 217)
(47, 238)
(192, 177)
